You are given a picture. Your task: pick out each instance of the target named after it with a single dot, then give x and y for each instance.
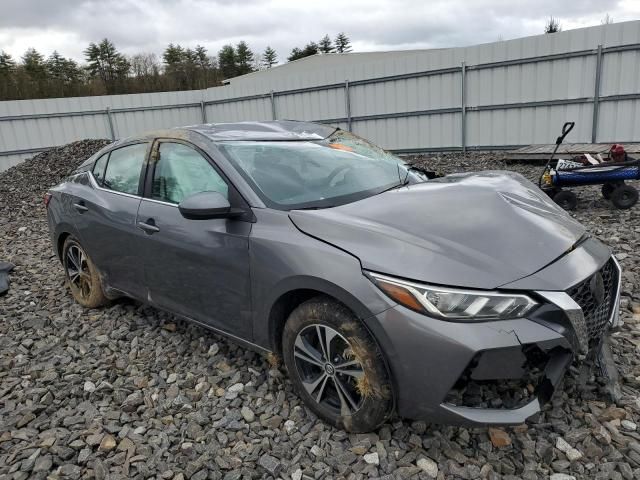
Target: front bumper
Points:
(430, 358)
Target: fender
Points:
(264, 330)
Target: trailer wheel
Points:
(624, 197)
(566, 199)
(608, 188)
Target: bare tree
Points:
(607, 20)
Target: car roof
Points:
(276, 130)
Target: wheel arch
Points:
(295, 291)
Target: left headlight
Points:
(453, 303)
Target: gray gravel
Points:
(130, 392)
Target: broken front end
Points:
(502, 372)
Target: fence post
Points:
(463, 108)
(273, 105)
(111, 129)
(596, 96)
(347, 104)
(203, 111)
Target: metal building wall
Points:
(496, 95)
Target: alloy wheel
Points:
(328, 368)
(77, 270)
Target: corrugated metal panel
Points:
(528, 125)
(619, 121)
(426, 93)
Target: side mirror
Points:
(205, 206)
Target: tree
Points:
(34, 65)
(310, 48)
(7, 64)
(104, 62)
(227, 61)
(244, 59)
(326, 45)
(342, 42)
(269, 57)
(607, 20)
(552, 26)
(64, 74)
(7, 80)
(145, 69)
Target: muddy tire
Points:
(624, 197)
(566, 199)
(81, 275)
(336, 366)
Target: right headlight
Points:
(454, 303)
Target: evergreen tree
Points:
(325, 45)
(7, 64)
(7, 71)
(227, 61)
(343, 44)
(34, 65)
(64, 74)
(107, 64)
(244, 59)
(310, 48)
(269, 57)
(552, 26)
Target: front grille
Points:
(596, 314)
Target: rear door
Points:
(105, 216)
(197, 268)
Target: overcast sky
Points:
(148, 26)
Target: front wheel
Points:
(336, 366)
(81, 275)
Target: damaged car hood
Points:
(479, 230)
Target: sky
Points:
(146, 26)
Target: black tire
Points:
(624, 197)
(81, 275)
(566, 199)
(608, 188)
(358, 401)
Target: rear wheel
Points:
(624, 197)
(336, 366)
(608, 188)
(566, 199)
(81, 275)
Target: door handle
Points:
(148, 227)
(80, 207)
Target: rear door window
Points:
(182, 171)
(124, 168)
(98, 168)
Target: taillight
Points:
(47, 199)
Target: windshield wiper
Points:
(314, 208)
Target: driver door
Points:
(195, 268)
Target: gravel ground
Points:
(130, 392)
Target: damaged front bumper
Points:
(490, 373)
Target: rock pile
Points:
(131, 392)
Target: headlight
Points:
(453, 303)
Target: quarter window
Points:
(124, 167)
(98, 168)
(181, 171)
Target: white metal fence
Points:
(493, 96)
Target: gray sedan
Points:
(460, 299)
